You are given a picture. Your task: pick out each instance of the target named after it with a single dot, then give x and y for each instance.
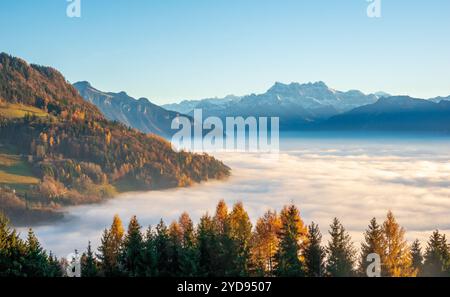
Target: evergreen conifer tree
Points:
(162, 249)
(340, 251)
(175, 240)
(149, 257)
(436, 256)
(89, 265)
(12, 250)
(314, 253)
(207, 247)
(417, 257)
(54, 266)
(36, 262)
(132, 250)
(292, 240)
(373, 244)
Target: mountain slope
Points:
(77, 155)
(140, 114)
(399, 113)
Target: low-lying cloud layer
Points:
(353, 180)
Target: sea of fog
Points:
(350, 176)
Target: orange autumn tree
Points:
(397, 261)
(265, 242)
(110, 247)
(240, 234)
(189, 253)
(223, 245)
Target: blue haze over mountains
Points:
(136, 113)
(310, 106)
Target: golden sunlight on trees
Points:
(397, 258)
(228, 245)
(241, 234)
(265, 242)
(108, 137)
(110, 248)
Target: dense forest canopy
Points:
(75, 153)
(228, 245)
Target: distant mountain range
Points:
(439, 99)
(310, 106)
(295, 104)
(137, 113)
(397, 113)
(187, 106)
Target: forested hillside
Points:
(71, 153)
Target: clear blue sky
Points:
(169, 50)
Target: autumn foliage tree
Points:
(397, 260)
(189, 252)
(110, 248)
(265, 243)
(224, 249)
(241, 234)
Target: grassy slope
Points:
(14, 172)
(11, 111)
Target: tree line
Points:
(226, 244)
